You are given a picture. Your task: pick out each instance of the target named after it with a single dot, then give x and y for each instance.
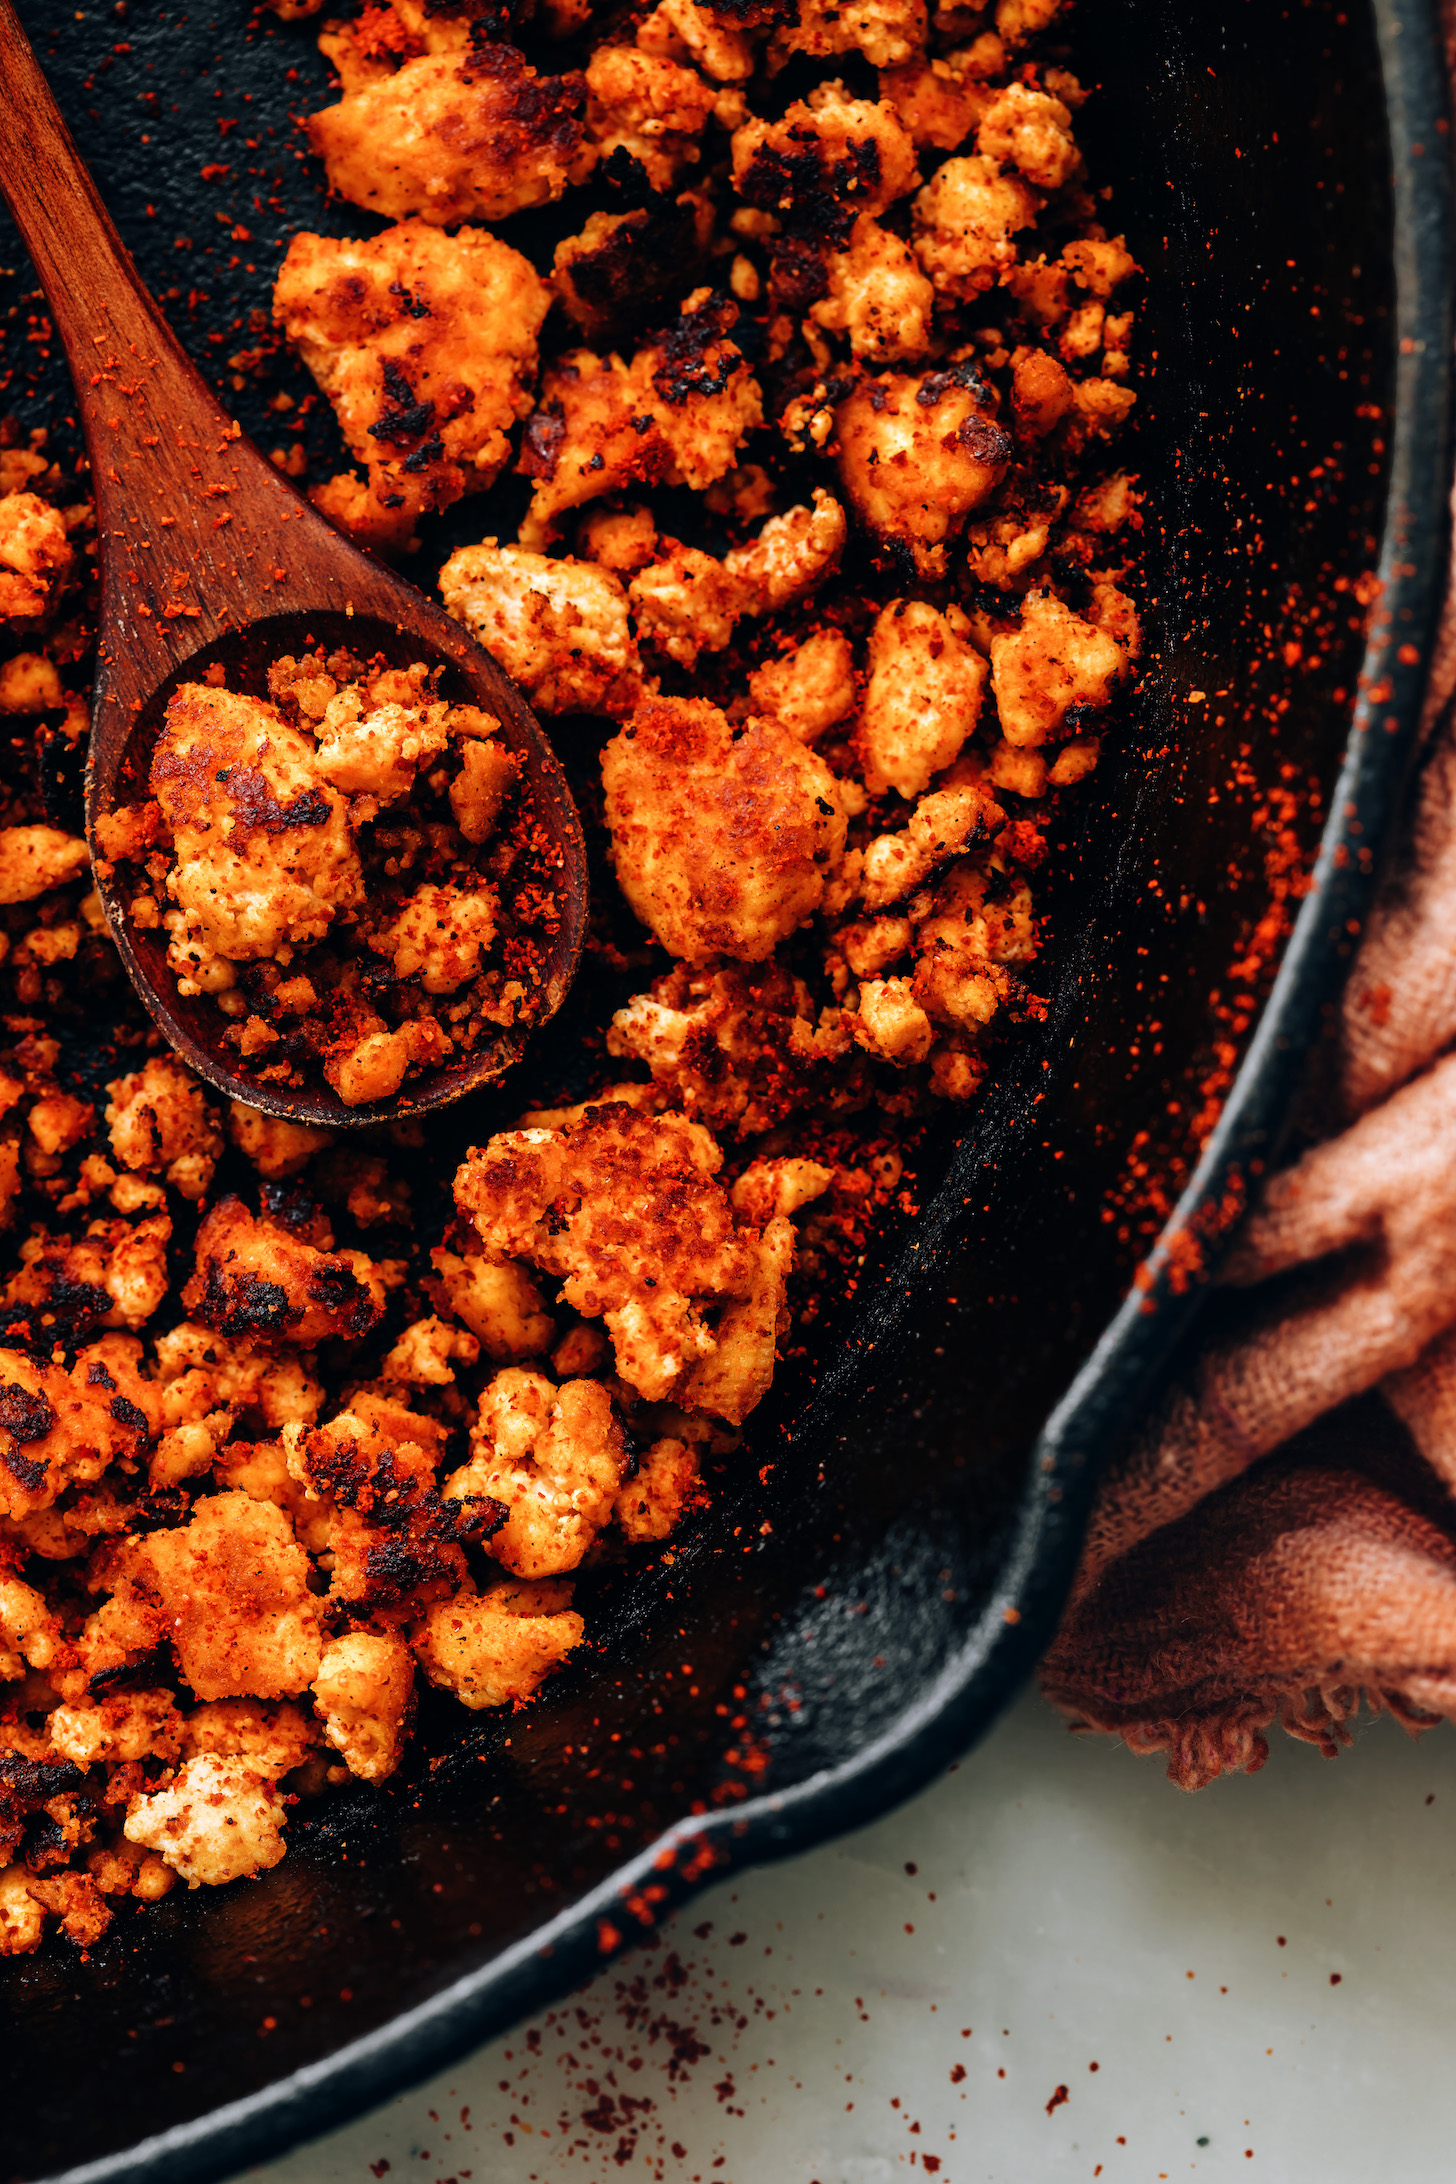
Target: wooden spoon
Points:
(209, 557)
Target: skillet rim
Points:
(998, 1655)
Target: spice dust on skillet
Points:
(791, 1681)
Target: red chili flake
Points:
(1057, 2099)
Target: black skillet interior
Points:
(880, 1573)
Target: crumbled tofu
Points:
(394, 1544)
(35, 859)
(487, 774)
(1099, 265)
(1041, 395)
(255, 1277)
(376, 1067)
(199, 1372)
(276, 1147)
(965, 219)
(498, 1302)
(452, 137)
(886, 32)
(553, 1457)
(558, 627)
(918, 453)
(232, 1589)
(939, 102)
(29, 1632)
(891, 1022)
(923, 698)
(127, 1261)
(29, 683)
(649, 106)
(872, 944)
(60, 1429)
(941, 825)
(770, 1188)
(686, 30)
(421, 1357)
(623, 268)
(498, 1648)
(220, 1821)
(160, 1120)
(275, 1738)
(676, 415)
(425, 344)
(877, 295)
(227, 1542)
(623, 540)
(685, 602)
(1053, 662)
(734, 1377)
(36, 556)
(439, 935)
(829, 159)
(737, 1048)
(791, 556)
(1018, 20)
(131, 1725)
(660, 1493)
(265, 859)
(22, 1914)
(722, 839)
(809, 689)
(364, 1688)
(624, 1211)
(260, 1469)
(379, 752)
(1031, 131)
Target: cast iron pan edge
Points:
(1112, 1387)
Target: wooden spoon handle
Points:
(170, 472)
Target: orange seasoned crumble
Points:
(778, 436)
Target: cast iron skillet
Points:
(852, 1615)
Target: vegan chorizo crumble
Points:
(804, 529)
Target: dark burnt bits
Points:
(336, 1289)
(404, 419)
(755, 14)
(258, 807)
(817, 196)
(25, 1415)
(399, 1539)
(60, 1307)
(701, 351)
(612, 280)
(27, 1786)
(541, 112)
(798, 276)
(243, 1304)
(256, 1278)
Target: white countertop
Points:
(1072, 1910)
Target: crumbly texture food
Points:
(425, 344)
(800, 517)
(329, 865)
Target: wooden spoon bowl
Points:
(209, 558)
